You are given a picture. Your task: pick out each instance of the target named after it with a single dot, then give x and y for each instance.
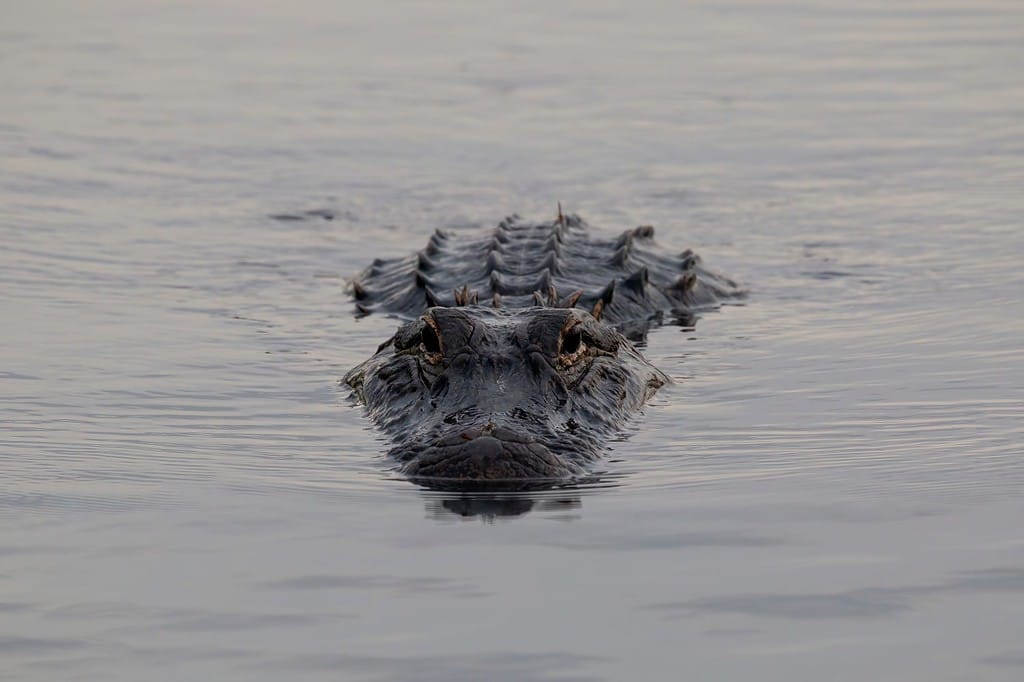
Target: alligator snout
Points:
(486, 454)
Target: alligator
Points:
(515, 361)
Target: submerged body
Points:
(531, 385)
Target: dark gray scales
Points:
(626, 281)
(514, 361)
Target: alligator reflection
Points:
(505, 500)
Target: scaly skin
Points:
(530, 386)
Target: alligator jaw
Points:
(487, 453)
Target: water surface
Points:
(831, 489)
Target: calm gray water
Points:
(831, 490)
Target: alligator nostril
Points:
(450, 419)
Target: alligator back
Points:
(628, 281)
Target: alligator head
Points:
(478, 394)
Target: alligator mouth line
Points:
(490, 452)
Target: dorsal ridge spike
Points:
(431, 298)
(493, 245)
(685, 282)
(638, 280)
(494, 280)
(608, 292)
(688, 260)
(462, 296)
(546, 282)
(494, 263)
(558, 231)
(623, 247)
(435, 243)
(554, 245)
(571, 300)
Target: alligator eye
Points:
(571, 341)
(429, 340)
(571, 346)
